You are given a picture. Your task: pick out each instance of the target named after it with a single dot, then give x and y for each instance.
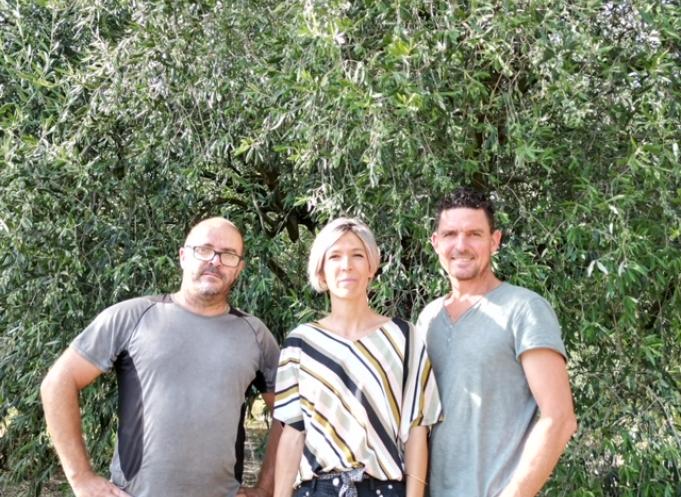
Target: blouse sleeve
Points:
(287, 408)
(420, 398)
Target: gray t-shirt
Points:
(182, 380)
(487, 404)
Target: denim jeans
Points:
(368, 487)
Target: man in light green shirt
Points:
(500, 366)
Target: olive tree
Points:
(124, 123)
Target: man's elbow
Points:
(561, 425)
(58, 384)
(49, 386)
(565, 426)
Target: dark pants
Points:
(368, 487)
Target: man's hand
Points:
(252, 492)
(93, 485)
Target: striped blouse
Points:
(354, 399)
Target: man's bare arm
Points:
(548, 380)
(60, 396)
(265, 485)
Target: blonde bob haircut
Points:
(329, 235)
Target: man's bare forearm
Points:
(60, 392)
(548, 380)
(266, 477)
(60, 397)
(541, 453)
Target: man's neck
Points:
(203, 307)
(467, 293)
(473, 289)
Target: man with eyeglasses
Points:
(184, 363)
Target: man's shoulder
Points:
(507, 290)
(135, 305)
(512, 294)
(427, 315)
(432, 308)
(240, 313)
(253, 322)
(110, 331)
(533, 319)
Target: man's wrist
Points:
(263, 491)
(256, 491)
(80, 477)
(78, 473)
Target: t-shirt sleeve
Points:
(269, 356)
(108, 334)
(287, 405)
(420, 399)
(536, 326)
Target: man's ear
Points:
(182, 255)
(433, 240)
(496, 241)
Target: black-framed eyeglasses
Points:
(203, 253)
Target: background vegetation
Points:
(122, 123)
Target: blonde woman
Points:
(354, 390)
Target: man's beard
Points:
(208, 290)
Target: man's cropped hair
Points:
(467, 198)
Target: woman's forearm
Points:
(416, 461)
(289, 453)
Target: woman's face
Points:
(346, 267)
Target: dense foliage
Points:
(123, 123)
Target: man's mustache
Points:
(211, 270)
